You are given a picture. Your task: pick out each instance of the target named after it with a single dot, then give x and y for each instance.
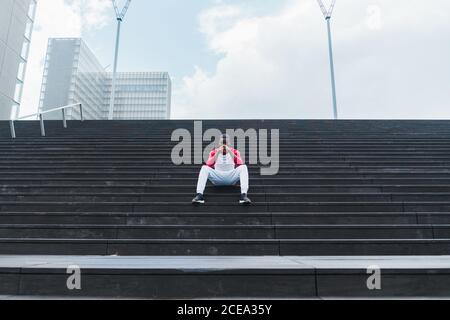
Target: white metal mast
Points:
(327, 13)
(120, 15)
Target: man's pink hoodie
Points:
(212, 158)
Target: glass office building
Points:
(74, 75)
(16, 26)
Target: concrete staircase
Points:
(348, 188)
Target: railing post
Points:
(41, 119)
(13, 129)
(64, 118)
(81, 113)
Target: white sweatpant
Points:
(220, 178)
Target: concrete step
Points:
(224, 277)
(294, 141)
(287, 154)
(225, 207)
(218, 197)
(211, 232)
(128, 247)
(192, 182)
(180, 189)
(167, 166)
(254, 170)
(406, 163)
(284, 158)
(194, 175)
(345, 167)
(232, 218)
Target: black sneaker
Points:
(245, 199)
(198, 199)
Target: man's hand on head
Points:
(230, 151)
(219, 152)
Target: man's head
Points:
(224, 140)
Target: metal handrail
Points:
(41, 118)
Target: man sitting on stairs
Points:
(224, 168)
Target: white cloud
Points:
(391, 62)
(58, 18)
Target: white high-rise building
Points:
(74, 75)
(16, 26)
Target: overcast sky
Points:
(268, 58)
